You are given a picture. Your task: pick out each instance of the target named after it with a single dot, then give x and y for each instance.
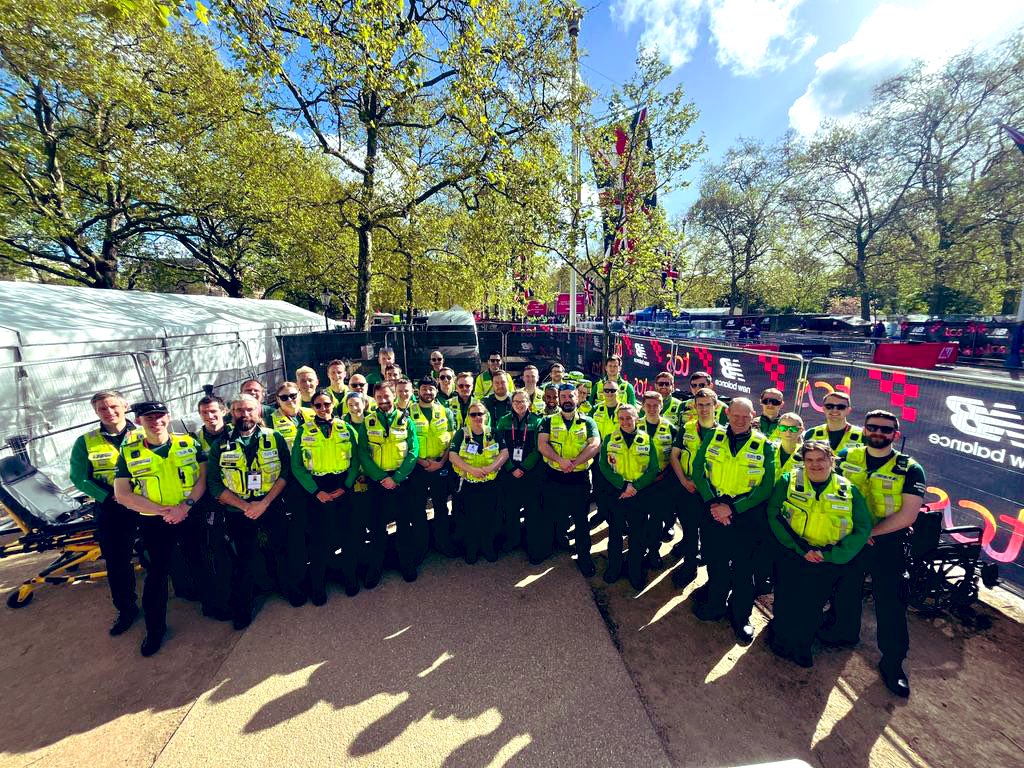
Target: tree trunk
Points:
(862, 282)
(1011, 278)
(364, 264)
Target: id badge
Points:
(253, 481)
(472, 449)
(517, 454)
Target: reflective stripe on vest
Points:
(691, 445)
(662, 440)
(434, 434)
(235, 468)
(852, 436)
(388, 451)
(486, 456)
(731, 475)
(567, 442)
(629, 461)
(672, 409)
(819, 520)
(323, 455)
(163, 481)
(605, 418)
(883, 488)
(103, 454)
(286, 427)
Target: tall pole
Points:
(1016, 337)
(575, 15)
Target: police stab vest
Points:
(286, 426)
(731, 475)
(103, 454)
(236, 469)
(481, 459)
(883, 488)
(388, 447)
(629, 461)
(819, 520)
(166, 481)
(322, 455)
(852, 437)
(567, 442)
(434, 434)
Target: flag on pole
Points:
(1017, 136)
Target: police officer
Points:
(820, 522)
(160, 476)
(498, 403)
(839, 433)
(629, 465)
(93, 462)
(484, 384)
(671, 407)
(613, 372)
(569, 442)
(894, 485)
(435, 426)
(477, 454)
(689, 504)
(247, 475)
(772, 401)
(324, 463)
(734, 472)
(521, 482)
(255, 388)
(388, 450)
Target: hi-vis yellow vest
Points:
(323, 455)
(103, 454)
(672, 410)
(434, 434)
(388, 451)
(820, 520)
(662, 440)
(567, 442)
(691, 445)
(605, 418)
(286, 426)
(690, 411)
(235, 468)
(883, 488)
(853, 436)
(163, 481)
(482, 459)
(629, 461)
(734, 475)
(794, 460)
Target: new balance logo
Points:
(639, 353)
(731, 368)
(973, 418)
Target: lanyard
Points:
(525, 431)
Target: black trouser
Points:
(520, 505)
(540, 519)
(293, 504)
(387, 505)
(200, 555)
(630, 517)
(689, 507)
(158, 537)
(605, 494)
(801, 591)
(567, 495)
(323, 521)
(729, 553)
(885, 561)
(662, 512)
(116, 531)
(434, 486)
(245, 535)
(480, 518)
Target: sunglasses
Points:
(463, 386)
(885, 429)
(770, 401)
(323, 406)
(445, 378)
(494, 360)
(660, 384)
(357, 384)
(835, 406)
(476, 415)
(292, 396)
(610, 391)
(787, 428)
(437, 359)
(698, 384)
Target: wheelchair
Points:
(45, 519)
(943, 574)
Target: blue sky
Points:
(759, 67)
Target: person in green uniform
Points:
(247, 474)
(521, 482)
(498, 403)
(445, 385)
(459, 403)
(324, 463)
(385, 357)
(360, 500)
(436, 364)
(839, 432)
(308, 382)
(288, 415)
(603, 412)
(431, 478)
(568, 443)
(530, 378)
(584, 387)
(556, 375)
(772, 401)
(700, 380)
(671, 407)
(662, 498)
(613, 372)
(788, 441)
(550, 400)
(160, 476)
(484, 384)
(255, 388)
(894, 485)
(477, 455)
(93, 462)
(821, 522)
(337, 373)
(404, 397)
(734, 472)
(689, 504)
(388, 450)
(629, 464)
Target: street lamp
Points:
(325, 300)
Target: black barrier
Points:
(979, 340)
(967, 434)
(317, 349)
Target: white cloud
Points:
(889, 40)
(750, 35)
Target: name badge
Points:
(517, 454)
(253, 481)
(472, 449)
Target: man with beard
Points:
(569, 442)
(498, 403)
(894, 486)
(248, 472)
(431, 477)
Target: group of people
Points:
(306, 482)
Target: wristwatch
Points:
(190, 502)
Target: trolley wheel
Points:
(15, 600)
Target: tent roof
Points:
(48, 314)
(454, 316)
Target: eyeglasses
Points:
(323, 406)
(698, 384)
(463, 386)
(770, 401)
(494, 360)
(885, 429)
(445, 378)
(788, 428)
(291, 396)
(437, 359)
(610, 391)
(835, 406)
(476, 415)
